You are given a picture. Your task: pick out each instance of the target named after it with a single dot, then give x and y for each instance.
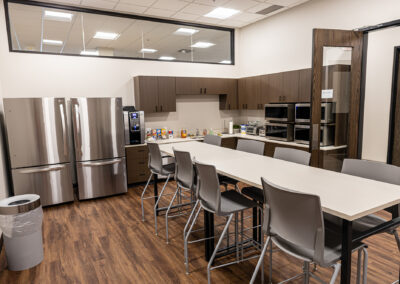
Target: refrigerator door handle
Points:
(41, 170)
(78, 125)
(64, 129)
(89, 164)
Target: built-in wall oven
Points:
(303, 113)
(279, 112)
(279, 131)
(302, 134)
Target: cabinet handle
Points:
(201, 90)
(246, 106)
(156, 108)
(229, 106)
(205, 90)
(161, 108)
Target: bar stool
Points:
(156, 167)
(226, 204)
(294, 222)
(185, 179)
(213, 140)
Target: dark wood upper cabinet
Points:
(155, 94)
(189, 85)
(275, 87)
(305, 85)
(229, 99)
(249, 93)
(290, 86)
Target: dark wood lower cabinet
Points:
(230, 142)
(137, 164)
(269, 149)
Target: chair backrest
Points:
(372, 170)
(295, 217)
(155, 158)
(251, 146)
(208, 187)
(213, 140)
(184, 170)
(292, 155)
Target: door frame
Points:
(393, 102)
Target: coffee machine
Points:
(134, 126)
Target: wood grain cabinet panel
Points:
(228, 99)
(304, 86)
(166, 94)
(229, 142)
(249, 93)
(137, 164)
(290, 89)
(275, 87)
(189, 85)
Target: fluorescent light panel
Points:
(58, 16)
(148, 50)
(52, 42)
(225, 62)
(185, 31)
(221, 13)
(203, 44)
(167, 58)
(106, 35)
(90, 52)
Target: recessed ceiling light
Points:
(90, 52)
(58, 16)
(222, 13)
(166, 58)
(203, 44)
(52, 42)
(148, 50)
(225, 62)
(104, 35)
(185, 31)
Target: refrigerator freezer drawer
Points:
(53, 183)
(101, 178)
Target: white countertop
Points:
(243, 136)
(348, 197)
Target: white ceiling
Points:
(188, 10)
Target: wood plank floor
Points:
(105, 241)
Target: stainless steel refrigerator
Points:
(37, 136)
(99, 146)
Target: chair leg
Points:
(156, 205)
(188, 222)
(216, 248)
(358, 266)
(167, 212)
(186, 252)
(260, 260)
(365, 268)
(335, 273)
(306, 271)
(143, 192)
(396, 235)
(270, 263)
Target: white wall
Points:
(378, 91)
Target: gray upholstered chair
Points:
(227, 204)
(156, 167)
(213, 140)
(294, 222)
(185, 181)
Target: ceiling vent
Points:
(270, 9)
(184, 50)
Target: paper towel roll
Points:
(230, 127)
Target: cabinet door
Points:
(254, 92)
(265, 95)
(213, 86)
(166, 94)
(304, 86)
(290, 86)
(275, 87)
(146, 93)
(242, 93)
(232, 93)
(189, 86)
(136, 164)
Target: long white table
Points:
(345, 196)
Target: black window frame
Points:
(113, 14)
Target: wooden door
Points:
(189, 86)
(290, 90)
(304, 86)
(146, 93)
(275, 87)
(166, 94)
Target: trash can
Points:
(21, 219)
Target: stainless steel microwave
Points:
(302, 134)
(279, 131)
(303, 113)
(279, 112)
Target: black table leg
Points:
(156, 191)
(255, 223)
(209, 232)
(347, 244)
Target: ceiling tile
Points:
(208, 20)
(130, 8)
(247, 17)
(159, 12)
(102, 4)
(197, 9)
(233, 23)
(67, 2)
(185, 16)
(146, 3)
(283, 2)
(174, 5)
(211, 2)
(259, 7)
(241, 5)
